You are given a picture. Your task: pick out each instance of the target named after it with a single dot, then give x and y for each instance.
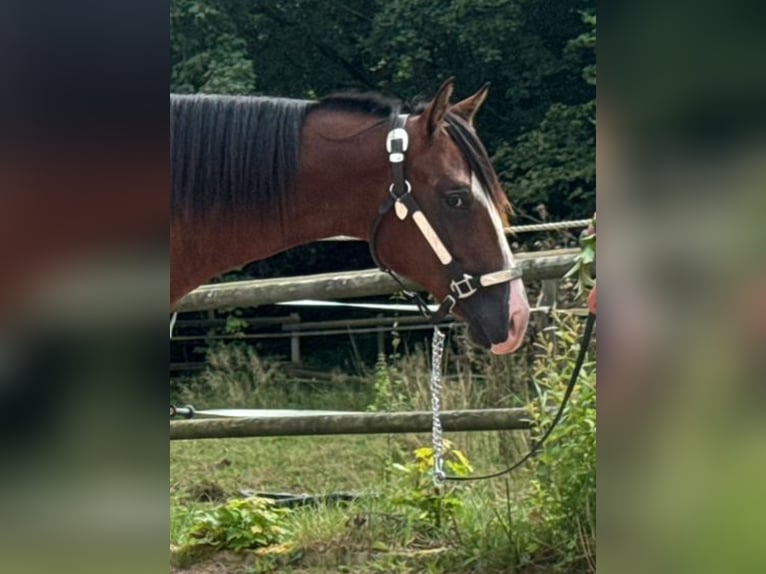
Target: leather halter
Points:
(462, 285)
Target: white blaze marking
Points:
(481, 197)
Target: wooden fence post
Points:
(381, 339)
(295, 341)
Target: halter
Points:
(462, 285)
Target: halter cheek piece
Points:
(462, 285)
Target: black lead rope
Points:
(570, 387)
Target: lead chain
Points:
(437, 440)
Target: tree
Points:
(555, 163)
(208, 53)
(538, 123)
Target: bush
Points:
(239, 524)
(562, 494)
(417, 489)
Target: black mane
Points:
(233, 152)
(370, 103)
(241, 153)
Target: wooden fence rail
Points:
(350, 423)
(331, 286)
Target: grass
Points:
(540, 520)
(209, 471)
(370, 535)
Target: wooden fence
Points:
(333, 286)
(548, 266)
(349, 423)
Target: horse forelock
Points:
(478, 160)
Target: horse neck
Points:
(338, 187)
(341, 180)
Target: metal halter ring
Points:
(452, 303)
(463, 288)
(391, 189)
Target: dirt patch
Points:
(206, 561)
(205, 492)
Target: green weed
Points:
(239, 524)
(434, 504)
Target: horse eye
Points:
(455, 201)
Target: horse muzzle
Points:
(518, 319)
(500, 330)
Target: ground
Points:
(359, 538)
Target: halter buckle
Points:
(463, 288)
(400, 135)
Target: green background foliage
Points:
(538, 123)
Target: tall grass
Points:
(237, 377)
(472, 378)
(539, 519)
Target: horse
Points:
(252, 176)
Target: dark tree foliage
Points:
(538, 123)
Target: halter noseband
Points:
(462, 285)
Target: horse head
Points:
(456, 246)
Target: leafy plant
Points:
(586, 259)
(562, 494)
(207, 52)
(434, 503)
(543, 520)
(239, 524)
(390, 389)
(235, 325)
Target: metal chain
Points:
(173, 323)
(589, 324)
(437, 439)
(437, 436)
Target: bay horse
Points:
(253, 176)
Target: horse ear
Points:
(434, 113)
(468, 107)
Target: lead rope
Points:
(437, 438)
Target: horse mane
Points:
(370, 103)
(241, 152)
(233, 152)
